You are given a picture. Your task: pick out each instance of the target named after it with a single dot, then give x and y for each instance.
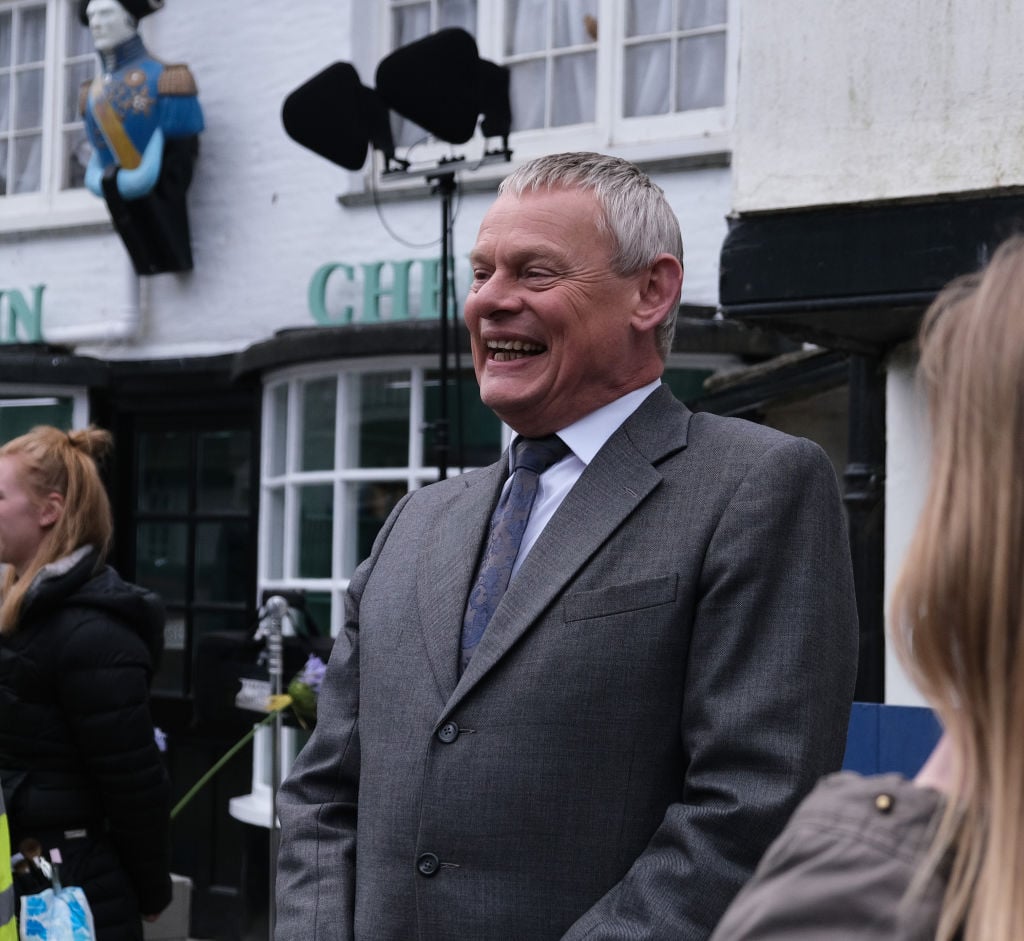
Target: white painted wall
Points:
(906, 483)
(263, 210)
(846, 102)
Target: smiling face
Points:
(556, 333)
(24, 521)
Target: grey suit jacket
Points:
(667, 675)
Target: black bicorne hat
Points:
(137, 8)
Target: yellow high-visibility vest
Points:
(8, 926)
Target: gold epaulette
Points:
(83, 96)
(176, 80)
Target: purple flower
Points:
(313, 673)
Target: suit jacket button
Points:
(448, 733)
(428, 864)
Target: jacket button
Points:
(448, 733)
(428, 864)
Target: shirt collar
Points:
(588, 435)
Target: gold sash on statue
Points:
(110, 125)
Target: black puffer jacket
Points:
(76, 738)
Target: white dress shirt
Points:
(585, 438)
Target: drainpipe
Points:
(124, 325)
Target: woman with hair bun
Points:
(80, 768)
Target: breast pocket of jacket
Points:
(620, 600)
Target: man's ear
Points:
(659, 292)
(51, 510)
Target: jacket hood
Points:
(80, 579)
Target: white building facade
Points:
(831, 167)
(270, 405)
(875, 157)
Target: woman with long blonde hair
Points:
(80, 769)
(942, 857)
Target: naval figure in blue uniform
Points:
(143, 119)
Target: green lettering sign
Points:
(24, 322)
(318, 294)
(383, 281)
(430, 288)
(373, 291)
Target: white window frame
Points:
(660, 137)
(31, 395)
(415, 474)
(51, 206)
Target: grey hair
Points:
(634, 211)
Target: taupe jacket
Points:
(842, 867)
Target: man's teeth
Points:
(504, 350)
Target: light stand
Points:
(438, 82)
(444, 184)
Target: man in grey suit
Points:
(668, 672)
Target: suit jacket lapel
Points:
(446, 571)
(613, 485)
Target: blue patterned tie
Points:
(533, 456)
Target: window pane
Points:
(575, 23)
(31, 45)
(701, 72)
(369, 506)
(318, 613)
(319, 405)
(5, 103)
(646, 89)
(696, 13)
(410, 23)
(461, 13)
(28, 155)
(18, 415)
(77, 151)
(527, 94)
(161, 557)
(574, 83)
(644, 17)
(526, 26)
(5, 39)
(278, 443)
(316, 513)
(79, 40)
(163, 474)
(275, 529)
(223, 471)
(170, 678)
(74, 75)
(380, 423)
(28, 99)
(481, 429)
(222, 552)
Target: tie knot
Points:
(538, 454)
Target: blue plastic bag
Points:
(62, 915)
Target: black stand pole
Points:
(444, 183)
(865, 504)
